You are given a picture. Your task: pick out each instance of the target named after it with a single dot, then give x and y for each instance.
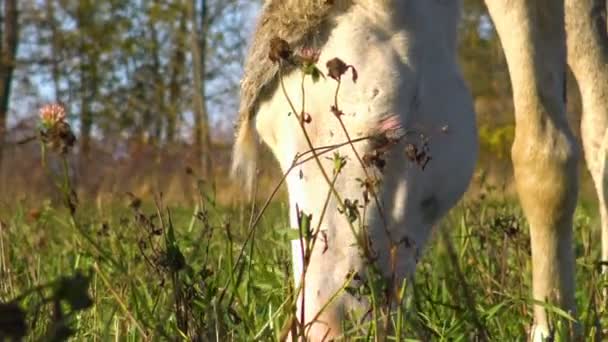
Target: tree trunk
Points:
(157, 103)
(198, 47)
(8, 52)
(55, 73)
(588, 59)
(86, 119)
(175, 89)
(86, 78)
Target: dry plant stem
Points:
(303, 91)
(392, 243)
(308, 249)
(306, 253)
(317, 161)
(360, 160)
(296, 162)
(315, 155)
(305, 262)
(20, 142)
(347, 282)
(332, 188)
(326, 149)
(120, 302)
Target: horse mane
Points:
(302, 23)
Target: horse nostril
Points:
(429, 208)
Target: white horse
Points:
(405, 52)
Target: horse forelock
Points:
(302, 23)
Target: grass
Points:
(142, 269)
(145, 270)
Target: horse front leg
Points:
(544, 152)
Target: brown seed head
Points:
(336, 68)
(279, 50)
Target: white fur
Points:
(405, 53)
(408, 69)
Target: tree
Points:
(217, 41)
(198, 41)
(127, 69)
(89, 73)
(176, 75)
(481, 54)
(77, 40)
(8, 52)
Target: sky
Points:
(32, 88)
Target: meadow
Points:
(137, 265)
(108, 233)
(137, 269)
